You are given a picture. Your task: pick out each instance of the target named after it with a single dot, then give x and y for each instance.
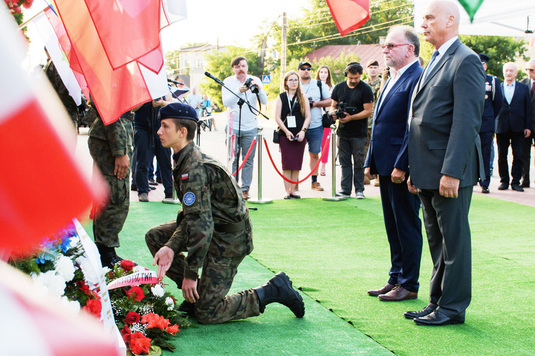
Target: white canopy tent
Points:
(494, 18)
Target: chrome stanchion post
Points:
(333, 164)
(259, 143)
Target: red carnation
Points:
(132, 318)
(93, 306)
(126, 334)
(127, 265)
(135, 293)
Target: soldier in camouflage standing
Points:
(111, 149)
(374, 81)
(213, 226)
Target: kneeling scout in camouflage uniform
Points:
(214, 228)
(111, 149)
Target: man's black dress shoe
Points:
(503, 186)
(485, 190)
(420, 313)
(517, 187)
(437, 318)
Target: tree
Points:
(172, 59)
(499, 49)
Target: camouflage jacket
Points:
(118, 135)
(214, 216)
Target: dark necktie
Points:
(533, 87)
(431, 63)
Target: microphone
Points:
(174, 82)
(217, 80)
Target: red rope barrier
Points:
(246, 157)
(315, 167)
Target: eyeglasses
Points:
(305, 68)
(530, 69)
(391, 46)
(292, 80)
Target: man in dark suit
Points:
(493, 103)
(400, 208)
(513, 125)
(530, 82)
(444, 148)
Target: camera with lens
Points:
(341, 110)
(251, 85)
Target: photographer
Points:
(250, 89)
(352, 104)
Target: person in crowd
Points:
(243, 121)
(528, 143)
(385, 158)
(493, 103)
(214, 227)
(374, 81)
(147, 145)
(318, 94)
(352, 105)
(206, 105)
(110, 147)
(513, 126)
(445, 160)
(324, 74)
(195, 99)
(292, 114)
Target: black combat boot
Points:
(188, 308)
(279, 289)
(108, 257)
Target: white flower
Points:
(157, 290)
(91, 275)
(139, 269)
(170, 303)
(71, 305)
(106, 269)
(50, 280)
(65, 268)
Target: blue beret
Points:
(178, 111)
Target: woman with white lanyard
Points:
(292, 114)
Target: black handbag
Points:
(276, 134)
(327, 120)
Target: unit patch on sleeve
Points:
(189, 198)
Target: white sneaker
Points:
(170, 201)
(360, 195)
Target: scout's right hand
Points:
(163, 258)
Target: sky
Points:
(234, 22)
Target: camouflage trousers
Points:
(214, 305)
(109, 217)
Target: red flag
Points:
(114, 91)
(128, 29)
(349, 15)
(42, 186)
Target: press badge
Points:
(290, 121)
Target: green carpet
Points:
(335, 252)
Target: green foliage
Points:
(499, 49)
(172, 60)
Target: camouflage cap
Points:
(178, 111)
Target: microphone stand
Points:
(241, 101)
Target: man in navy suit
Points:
(493, 104)
(400, 208)
(445, 160)
(513, 125)
(528, 143)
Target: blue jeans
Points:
(146, 148)
(246, 173)
(351, 155)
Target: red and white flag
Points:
(42, 186)
(117, 47)
(348, 15)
